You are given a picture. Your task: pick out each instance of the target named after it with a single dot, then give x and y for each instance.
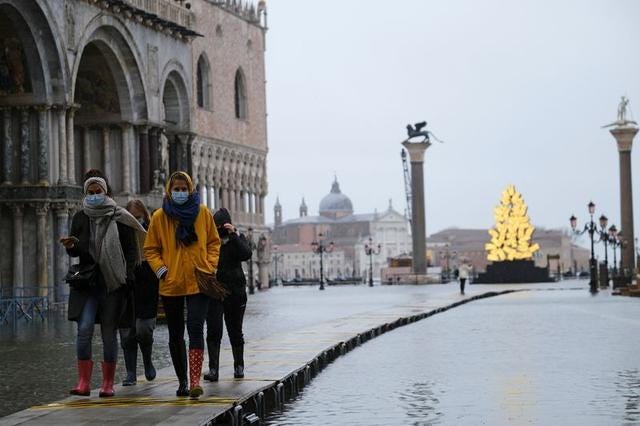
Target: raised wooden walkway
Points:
(276, 369)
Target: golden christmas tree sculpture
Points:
(511, 237)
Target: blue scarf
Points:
(186, 215)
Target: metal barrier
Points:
(26, 303)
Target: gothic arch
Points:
(203, 82)
(113, 39)
(37, 42)
(175, 97)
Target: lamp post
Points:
(252, 246)
(604, 237)
(370, 251)
(591, 228)
(276, 259)
(319, 247)
(615, 243)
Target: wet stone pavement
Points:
(427, 369)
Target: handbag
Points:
(81, 276)
(208, 284)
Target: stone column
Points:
(61, 257)
(62, 145)
(18, 261)
(43, 145)
(202, 188)
(106, 151)
(145, 165)
(216, 194)
(7, 147)
(225, 197)
(25, 145)
(624, 137)
(86, 143)
(418, 226)
(41, 244)
(71, 148)
(154, 143)
(126, 158)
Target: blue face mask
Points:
(95, 199)
(179, 197)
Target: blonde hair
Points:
(140, 205)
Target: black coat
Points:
(111, 305)
(232, 253)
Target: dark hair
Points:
(98, 173)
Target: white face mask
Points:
(141, 220)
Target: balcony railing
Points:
(167, 10)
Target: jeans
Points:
(197, 305)
(462, 281)
(232, 308)
(86, 324)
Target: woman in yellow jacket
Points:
(182, 237)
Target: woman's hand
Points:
(68, 242)
(229, 227)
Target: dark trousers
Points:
(232, 309)
(462, 281)
(197, 305)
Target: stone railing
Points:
(168, 10)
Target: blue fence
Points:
(26, 303)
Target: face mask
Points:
(179, 197)
(141, 220)
(95, 199)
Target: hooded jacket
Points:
(162, 251)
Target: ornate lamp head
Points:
(592, 207)
(603, 221)
(573, 221)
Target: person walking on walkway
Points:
(108, 241)
(464, 271)
(235, 250)
(139, 320)
(182, 238)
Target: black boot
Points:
(149, 369)
(130, 362)
(214, 359)
(238, 361)
(178, 352)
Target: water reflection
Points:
(535, 358)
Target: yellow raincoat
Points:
(162, 251)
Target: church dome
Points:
(336, 204)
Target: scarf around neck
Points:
(107, 249)
(186, 215)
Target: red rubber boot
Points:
(83, 388)
(196, 356)
(108, 377)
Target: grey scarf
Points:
(106, 240)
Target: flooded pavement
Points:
(540, 357)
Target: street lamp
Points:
(370, 251)
(252, 246)
(318, 246)
(276, 259)
(614, 240)
(591, 228)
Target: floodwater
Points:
(539, 357)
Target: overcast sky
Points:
(518, 91)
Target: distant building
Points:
(348, 231)
(448, 247)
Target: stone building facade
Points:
(349, 232)
(137, 88)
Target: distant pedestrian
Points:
(182, 238)
(108, 241)
(464, 271)
(235, 249)
(139, 319)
